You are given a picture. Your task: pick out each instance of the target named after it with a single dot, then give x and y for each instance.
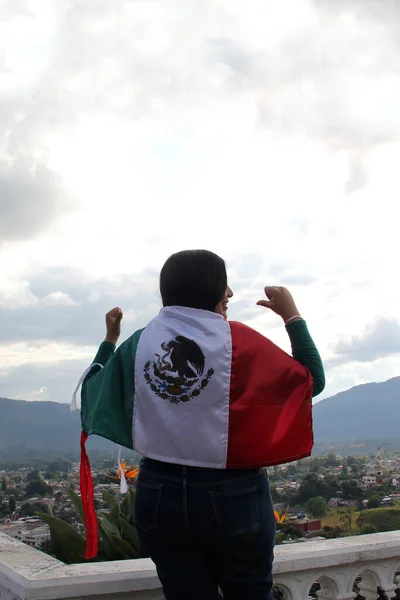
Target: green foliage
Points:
(346, 518)
(351, 490)
(12, 503)
(317, 506)
(59, 466)
(118, 536)
(37, 487)
(313, 486)
(33, 476)
(77, 502)
(384, 519)
(3, 485)
(289, 530)
(29, 510)
(332, 532)
(274, 494)
(368, 528)
(374, 501)
(124, 547)
(68, 545)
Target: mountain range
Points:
(364, 412)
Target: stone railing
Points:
(27, 574)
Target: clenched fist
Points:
(113, 325)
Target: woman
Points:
(213, 404)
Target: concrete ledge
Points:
(341, 551)
(27, 574)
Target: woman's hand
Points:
(280, 300)
(113, 325)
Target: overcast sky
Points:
(268, 132)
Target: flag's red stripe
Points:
(87, 496)
(270, 416)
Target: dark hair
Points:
(193, 278)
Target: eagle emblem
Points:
(178, 373)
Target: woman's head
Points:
(195, 279)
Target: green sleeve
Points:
(104, 353)
(305, 351)
(108, 393)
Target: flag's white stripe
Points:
(193, 432)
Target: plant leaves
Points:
(111, 551)
(127, 550)
(114, 518)
(110, 501)
(77, 502)
(68, 545)
(130, 535)
(110, 526)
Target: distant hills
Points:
(41, 427)
(364, 412)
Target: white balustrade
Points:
(27, 574)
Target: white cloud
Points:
(58, 299)
(131, 130)
(380, 339)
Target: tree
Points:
(59, 466)
(332, 486)
(374, 501)
(37, 488)
(29, 510)
(4, 508)
(355, 469)
(311, 487)
(351, 490)
(331, 460)
(346, 517)
(274, 494)
(33, 476)
(317, 506)
(275, 474)
(3, 485)
(17, 492)
(351, 460)
(12, 503)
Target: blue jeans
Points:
(207, 529)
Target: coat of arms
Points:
(177, 374)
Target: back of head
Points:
(193, 278)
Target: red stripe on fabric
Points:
(87, 496)
(270, 413)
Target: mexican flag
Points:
(195, 389)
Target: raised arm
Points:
(107, 393)
(107, 348)
(280, 301)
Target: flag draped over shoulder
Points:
(195, 389)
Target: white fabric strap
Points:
(73, 405)
(123, 485)
(293, 318)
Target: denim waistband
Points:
(196, 474)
